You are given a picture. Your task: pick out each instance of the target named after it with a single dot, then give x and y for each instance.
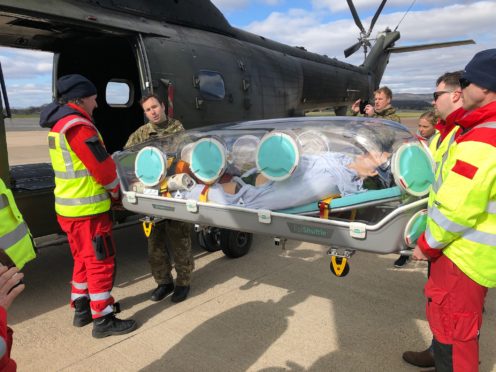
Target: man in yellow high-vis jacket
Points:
(16, 245)
(460, 239)
(16, 249)
(85, 182)
(447, 104)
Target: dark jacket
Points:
(54, 112)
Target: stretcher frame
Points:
(382, 236)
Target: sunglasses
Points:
(464, 83)
(438, 94)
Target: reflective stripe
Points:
(108, 309)
(437, 185)
(72, 175)
(66, 155)
(112, 184)
(467, 233)
(80, 286)
(82, 201)
(481, 237)
(8, 240)
(3, 347)
(491, 208)
(487, 125)
(99, 296)
(69, 166)
(439, 181)
(433, 243)
(75, 296)
(4, 202)
(441, 220)
(70, 123)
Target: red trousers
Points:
(6, 363)
(93, 252)
(454, 311)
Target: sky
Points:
(321, 26)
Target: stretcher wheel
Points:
(210, 239)
(339, 266)
(235, 244)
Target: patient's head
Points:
(368, 164)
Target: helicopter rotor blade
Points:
(376, 15)
(355, 15)
(414, 48)
(352, 49)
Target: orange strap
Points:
(325, 206)
(204, 194)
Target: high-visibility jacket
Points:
(439, 149)
(462, 213)
(15, 239)
(439, 155)
(77, 193)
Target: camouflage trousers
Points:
(171, 238)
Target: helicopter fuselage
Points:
(205, 70)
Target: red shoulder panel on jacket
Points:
(465, 169)
(484, 135)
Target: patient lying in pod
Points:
(279, 168)
(317, 176)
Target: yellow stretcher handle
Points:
(164, 189)
(147, 228)
(338, 268)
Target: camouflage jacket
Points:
(389, 114)
(148, 130)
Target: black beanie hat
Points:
(75, 86)
(481, 70)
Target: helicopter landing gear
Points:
(339, 265)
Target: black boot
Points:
(180, 293)
(419, 358)
(82, 314)
(109, 325)
(161, 291)
(401, 261)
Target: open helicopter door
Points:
(4, 159)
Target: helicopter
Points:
(206, 70)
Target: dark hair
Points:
(388, 93)
(151, 95)
(430, 116)
(450, 79)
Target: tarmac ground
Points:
(271, 310)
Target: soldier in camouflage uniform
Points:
(382, 108)
(178, 233)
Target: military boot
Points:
(82, 313)
(109, 325)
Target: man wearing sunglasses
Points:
(460, 239)
(447, 103)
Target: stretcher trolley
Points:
(352, 184)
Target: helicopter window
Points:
(118, 93)
(211, 85)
